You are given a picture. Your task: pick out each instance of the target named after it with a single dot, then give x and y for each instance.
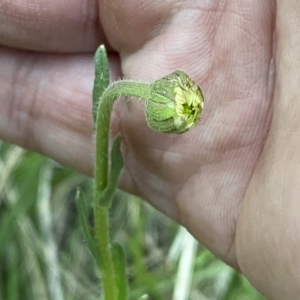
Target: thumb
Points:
(269, 228)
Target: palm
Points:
(198, 178)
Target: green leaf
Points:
(120, 270)
(101, 81)
(87, 230)
(117, 164)
(12, 282)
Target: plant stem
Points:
(101, 208)
(101, 215)
(114, 91)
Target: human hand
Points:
(202, 179)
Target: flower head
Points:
(175, 103)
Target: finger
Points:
(58, 26)
(46, 104)
(129, 26)
(268, 236)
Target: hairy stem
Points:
(114, 91)
(101, 218)
(101, 205)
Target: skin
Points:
(232, 181)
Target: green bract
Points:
(175, 103)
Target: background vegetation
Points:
(43, 254)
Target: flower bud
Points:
(175, 103)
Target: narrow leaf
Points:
(83, 213)
(120, 269)
(101, 81)
(117, 164)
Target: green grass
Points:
(43, 253)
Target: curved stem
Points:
(114, 91)
(101, 207)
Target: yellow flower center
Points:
(188, 105)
